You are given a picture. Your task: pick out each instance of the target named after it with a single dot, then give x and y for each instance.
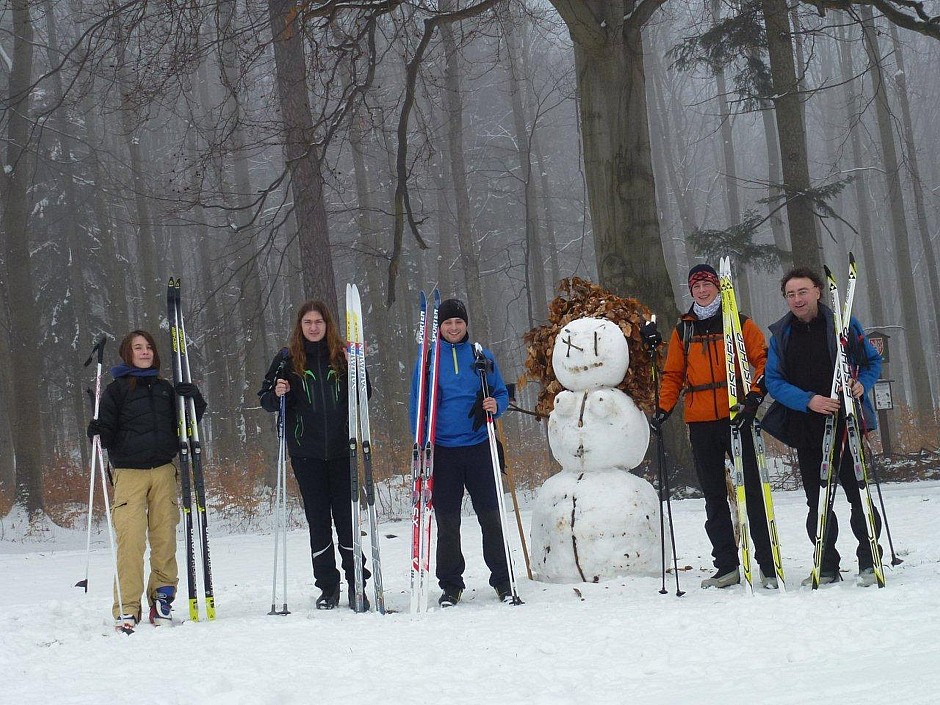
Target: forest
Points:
(267, 153)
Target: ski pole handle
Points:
(99, 347)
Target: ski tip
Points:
(851, 259)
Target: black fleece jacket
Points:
(317, 404)
(137, 418)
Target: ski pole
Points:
(881, 501)
(481, 365)
(96, 400)
(280, 506)
(652, 339)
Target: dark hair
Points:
(126, 351)
(332, 337)
(800, 273)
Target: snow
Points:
(613, 642)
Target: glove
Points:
(186, 389)
(658, 419)
(95, 428)
(650, 334)
(747, 410)
(477, 412)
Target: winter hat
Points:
(703, 272)
(452, 308)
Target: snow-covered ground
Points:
(614, 642)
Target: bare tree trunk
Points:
(921, 401)
(115, 285)
(469, 255)
(76, 307)
(304, 157)
(608, 51)
(917, 187)
(866, 233)
(667, 160)
(26, 424)
(257, 351)
(774, 175)
(7, 407)
(150, 291)
(791, 131)
(535, 262)
(732, 202)
(546, 193)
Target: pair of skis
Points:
(190, 460)
(842, 380)
(422, 454)
(360, 437)
(736, 359)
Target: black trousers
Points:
(809, 458)
(467, 467)
(711, 442)
(324, 487)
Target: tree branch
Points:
(402, 204)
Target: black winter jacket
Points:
(138, 426)
(317, 405)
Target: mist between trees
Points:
(269, 152)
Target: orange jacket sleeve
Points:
(673, 373)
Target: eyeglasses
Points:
(799, 293)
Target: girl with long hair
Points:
(311, 373)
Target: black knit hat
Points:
(703, 272)
(452, 308)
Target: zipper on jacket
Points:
(326, 425)
(453, 350)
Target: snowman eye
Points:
(572, 345)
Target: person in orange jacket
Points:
(695, 366)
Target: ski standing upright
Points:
(736, 359)
(842, 321)
(422, 455)
(190, 461)
(360, 437)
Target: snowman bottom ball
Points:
(593, 526)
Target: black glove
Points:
(650, 334)
(477, 412)
(747, 410)
(186, 389)
(658, 419)
(95, 428)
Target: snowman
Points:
(594, 520)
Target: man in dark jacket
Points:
(799, 373)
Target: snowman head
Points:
(590, 353)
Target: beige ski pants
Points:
(145, 507)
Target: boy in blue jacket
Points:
(800, 365)
(462, 455)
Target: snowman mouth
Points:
(585, 368)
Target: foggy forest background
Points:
(270, 152)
